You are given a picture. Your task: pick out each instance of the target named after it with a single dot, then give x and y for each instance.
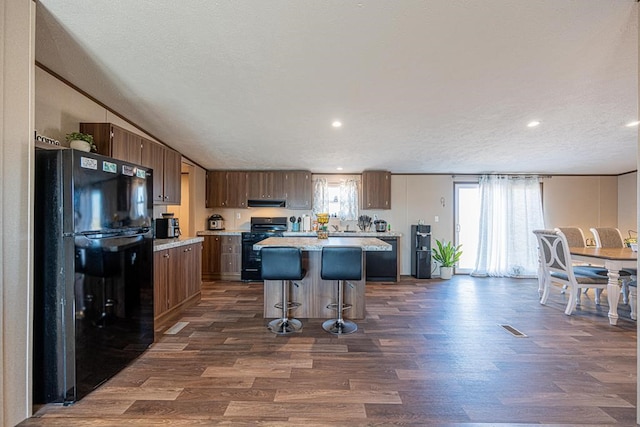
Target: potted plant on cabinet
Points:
(81, 141)
(447, 256)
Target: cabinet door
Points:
(126, 146)
(216, 189)
(196, 268)
(231, 256)
(176, 275)
(275, 183)
(376, 190)
(153, 157)
(172, 177)
(113, 141)
(298, 189)
(191, 271)
(102, 136)
(160, 282)
(211, 257)
(255, 190)
(236, 189)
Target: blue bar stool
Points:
(283, 263)
(341, 263)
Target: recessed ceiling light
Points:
(533, 124)
(336, 124)
(632, 124)
(339, 168)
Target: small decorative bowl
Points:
(323, 234)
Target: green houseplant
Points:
(81, 141)
(447, 256)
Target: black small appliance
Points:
(421, 251)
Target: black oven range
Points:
(261, 228)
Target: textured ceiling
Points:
(422, 86)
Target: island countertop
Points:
(315, 244)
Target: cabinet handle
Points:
(166, 255)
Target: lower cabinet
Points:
(221, 257)
(382, 266)
(176, 279)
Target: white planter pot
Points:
(80, 145)
(446, 272)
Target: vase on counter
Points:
(78, 144)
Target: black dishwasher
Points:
(382, 266)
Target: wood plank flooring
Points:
(429, 352)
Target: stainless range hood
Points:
(265, 203)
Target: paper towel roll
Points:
(306, 223)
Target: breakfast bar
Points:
(313, 293)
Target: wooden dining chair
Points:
(575, 239)
(556, 266)
(609, 237)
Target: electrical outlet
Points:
(437, 218)
(238, 215)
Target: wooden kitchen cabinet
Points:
(211, 257)
(376, 190)
(266, 185)
(165, 264)
(221, 257)
(167, 169)
(191, 267)
(298, 189)
(226, 189)
(230, 257)
(177, 279)
(114, 141)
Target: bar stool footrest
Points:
(289, 305)
(334, 306)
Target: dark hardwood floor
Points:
(429, 352)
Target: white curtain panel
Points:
(349, 200)
(320, 195)
(511, 208)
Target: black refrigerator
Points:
(421, 251)
(93, 271)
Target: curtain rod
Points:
(505, 175)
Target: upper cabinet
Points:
(232, 189)
(376, 190)
(267, 185)
(226, 189)
(298, 189)
(114, 141)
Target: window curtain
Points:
(320, 195)
(511, 208)
(348, 200)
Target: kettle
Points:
(216, 222)
(380, 224)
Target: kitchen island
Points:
(313, 293)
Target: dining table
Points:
(614, 260)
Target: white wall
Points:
(17, 31)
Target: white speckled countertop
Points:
(315, 244)
(162, 244)
(389, 234)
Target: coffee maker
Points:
(167, 228)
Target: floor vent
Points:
(176, 328)
(513, 331)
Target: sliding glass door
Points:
(467, 219)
